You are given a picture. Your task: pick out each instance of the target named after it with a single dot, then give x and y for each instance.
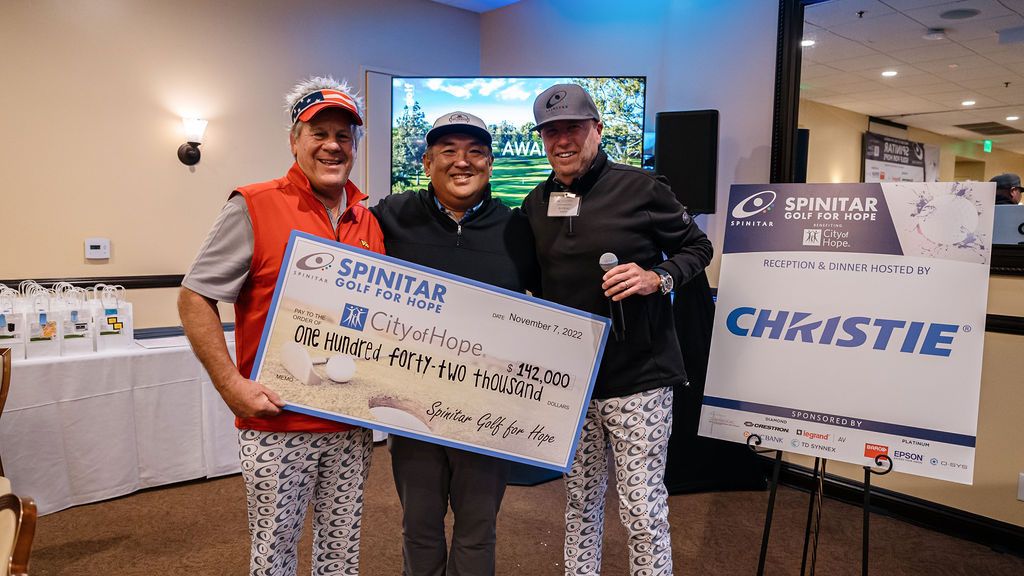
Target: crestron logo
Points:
(317, 261)
(812, 237)
(754, 204)
(766, 427)
(555, 99)
(354, 317)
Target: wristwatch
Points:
(667, 283)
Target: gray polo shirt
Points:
(222, 265)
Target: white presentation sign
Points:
(850, 322)
(366, 339)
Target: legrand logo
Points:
(930, 338)
(754, 204)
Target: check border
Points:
(301, 409)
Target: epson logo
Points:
(909, 456)
(930, 338)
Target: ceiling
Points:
(856, 40)
(478, 6)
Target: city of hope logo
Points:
(354, 317)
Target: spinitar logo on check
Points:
(354, 317)
(391, 285)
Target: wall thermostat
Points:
(97, 248)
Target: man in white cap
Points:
(455, 226)
(289, 460)
(613, 240)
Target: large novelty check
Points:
(370, 340)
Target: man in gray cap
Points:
(455, 226)
(1007, 188)
(601, 232)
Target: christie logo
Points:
(354, 317)
(929, 338)
(875, 450)
(317, 261)
(754, 204)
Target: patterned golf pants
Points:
(637, 428)
(283, 472)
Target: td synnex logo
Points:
(930, 338)
(754, 204)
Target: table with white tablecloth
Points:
(81, 429)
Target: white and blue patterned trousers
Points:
(637, 427)
(284, 472)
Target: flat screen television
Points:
(506, 105)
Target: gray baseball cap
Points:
(564, 102)
(1006, 181)
(459, 123)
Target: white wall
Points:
(93, 95)
(695, 54)
(94, 91)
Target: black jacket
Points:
(492, 244)
(634, 215)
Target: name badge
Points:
(563, 204)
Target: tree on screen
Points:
(620, 101)
(407, 146)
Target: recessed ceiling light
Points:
(806, 43)
(954, 66)
(935, 34)
(968, 103)
(959, 14)
(889, 73)
(1012, 118)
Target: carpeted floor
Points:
(199, 528)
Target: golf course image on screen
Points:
(506, 105)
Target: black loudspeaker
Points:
(686, 152)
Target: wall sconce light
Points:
(188, 152)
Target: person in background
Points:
(454, 226)
(587, 207)
(1008, 188)
(289, 460)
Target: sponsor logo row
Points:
(909, 451)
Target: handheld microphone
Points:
(607, 262)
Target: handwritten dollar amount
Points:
(537, 374)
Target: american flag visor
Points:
(311, 103)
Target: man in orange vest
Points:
(288, 459)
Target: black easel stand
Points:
(812, 529)
(753, 441)
(885, 463)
